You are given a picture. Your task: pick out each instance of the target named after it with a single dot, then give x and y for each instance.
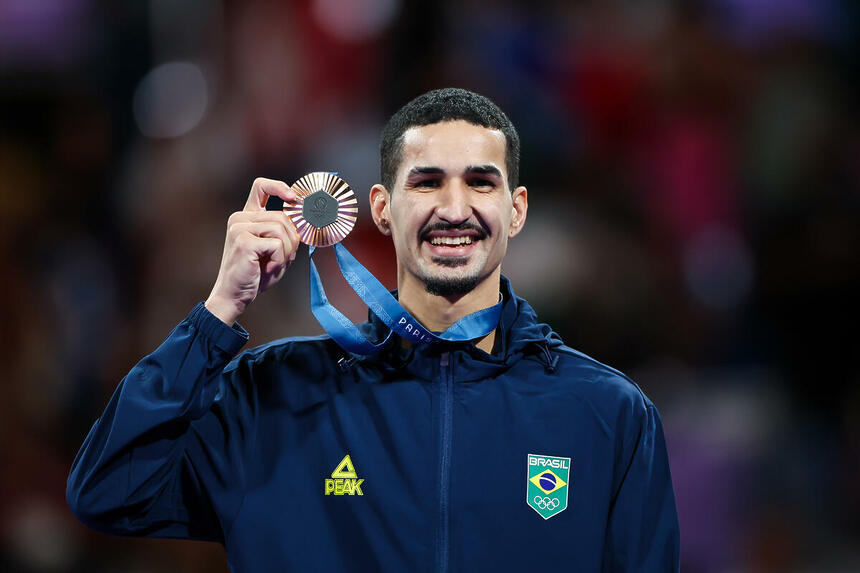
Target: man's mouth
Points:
(451, 241)
(452, 245)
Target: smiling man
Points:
(506, 452)
(453, 210)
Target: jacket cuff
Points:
(229, 339)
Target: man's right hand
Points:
(259, 247)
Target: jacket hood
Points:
(520, 335)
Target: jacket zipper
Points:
(444, 465)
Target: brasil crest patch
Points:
(547, 482)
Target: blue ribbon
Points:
(383, 304)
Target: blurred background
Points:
(693, 168)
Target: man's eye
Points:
(428, 183)
(481, 183)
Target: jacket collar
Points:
(519, 335)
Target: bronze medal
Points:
(326, 211)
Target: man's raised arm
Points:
(170, 439)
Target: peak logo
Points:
(344, 480)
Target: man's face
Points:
(451, 212)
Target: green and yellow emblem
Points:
(547, 483)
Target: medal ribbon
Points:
(383, 304)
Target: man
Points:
(504, 453)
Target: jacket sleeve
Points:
(643, 533)
(169, 440)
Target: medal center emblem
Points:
(320, 209)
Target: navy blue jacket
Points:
(251, 452)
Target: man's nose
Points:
(454, 205)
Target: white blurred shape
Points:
(170, 100)
(548, 261)
(718, 268)
(354, 21)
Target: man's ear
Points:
(519, 209)
(380, 209)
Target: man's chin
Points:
(451, 286)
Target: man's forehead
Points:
(452, 145)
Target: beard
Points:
(451, 286)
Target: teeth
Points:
(451, 241)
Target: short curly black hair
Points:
(447, 104)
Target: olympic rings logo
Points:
(546, 503)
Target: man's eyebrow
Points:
(484, 170)
(488, 169)
(425, 171)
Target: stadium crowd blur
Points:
(694, 176)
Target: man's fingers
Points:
(260, 216)
(274, 249)
(279, 217)
(264, 188)
(267, 229)
(252, 245)
(287, 239)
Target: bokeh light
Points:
(171, 100)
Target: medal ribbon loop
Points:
(383, 304)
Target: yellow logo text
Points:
(344, 480)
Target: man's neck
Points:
(437, 313)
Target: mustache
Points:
(464, 226)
